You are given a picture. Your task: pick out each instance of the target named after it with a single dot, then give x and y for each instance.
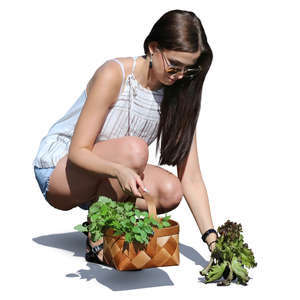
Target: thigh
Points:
(163, 185)
(71, 185)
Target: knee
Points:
(137, 152)
(60, 205)
(171, 193)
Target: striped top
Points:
(136, 113)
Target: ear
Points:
(153, 46)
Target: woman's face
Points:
(164, 58)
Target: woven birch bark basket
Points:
(161, 251)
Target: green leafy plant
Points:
(123, 218)
(229, 257)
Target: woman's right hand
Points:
(128, 180)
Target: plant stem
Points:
(230, 275)
(206, 269)
(227, 280)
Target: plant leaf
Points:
(144, 214)
(81, 228)
(128, 206)
(215, 272)
(165, 223)
(138, 238)
(148, 229)
(123, 218)
(166, 218)
(104, 199)
(239, 270)
(136, 229)
(143, 234)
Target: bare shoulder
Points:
(127, 63)
(112, 66)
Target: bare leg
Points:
(70, 185)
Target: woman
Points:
(100, 146)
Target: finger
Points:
(140, 181)
(123, 188)
(143, 192)
(136, 193)
(137, 184)
(141, 184)
(135, 190)
(128, 189)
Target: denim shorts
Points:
(42, 176)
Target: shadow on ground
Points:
(110, 277)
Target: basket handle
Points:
(150, 200)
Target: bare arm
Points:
(103, 93)
(195, 192)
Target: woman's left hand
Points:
(212, 247)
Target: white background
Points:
(248, 143)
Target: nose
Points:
(180, 76)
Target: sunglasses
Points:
(188, 72)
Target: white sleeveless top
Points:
(136, 113)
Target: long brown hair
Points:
(180, 30)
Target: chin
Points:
(172, 80)
(169, 81)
